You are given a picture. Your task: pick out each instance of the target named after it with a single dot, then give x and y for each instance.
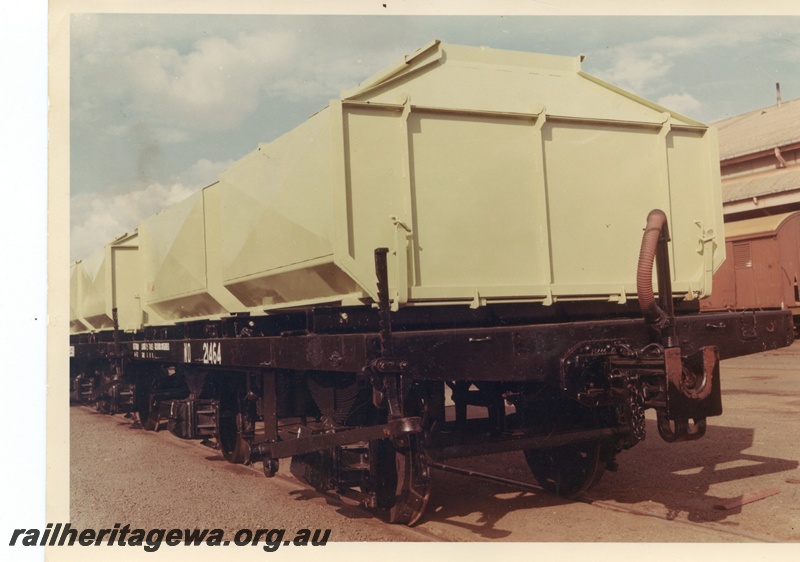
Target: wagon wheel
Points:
(235, 426)
(402, 471)
(146, 403)
(402, 480)
(413, 484)
(569, 469)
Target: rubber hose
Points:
(644, 273)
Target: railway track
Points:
(528, 487)
(676, 508)
(423, 533)
(341, 332)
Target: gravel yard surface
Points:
(661, 493)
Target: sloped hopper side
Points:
(173, 257)
(89, 282)
(76, 276)
(491, 176)
(277, 223)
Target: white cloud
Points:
(213, 87)
(636, 69)
(128, 71)
(211, 84)
(642, 66)
(203, 172)
(98, 219)
(323, 73)
(684, 104)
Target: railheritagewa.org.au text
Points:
(152, 539)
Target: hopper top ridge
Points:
(488, 79)
(437, 51)
(411, 160)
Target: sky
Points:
(713, 67)
(161, 104)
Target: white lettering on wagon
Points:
(212, 353)
(148, 349)
(152, 346)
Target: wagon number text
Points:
(212, 353)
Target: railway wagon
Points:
(466, 225)
(765, 266)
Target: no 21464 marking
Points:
(212, 353)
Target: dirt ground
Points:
(661, 493)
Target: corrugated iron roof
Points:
(758, 225)
(762, 129)
(787, 179)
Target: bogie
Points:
(407, 278)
